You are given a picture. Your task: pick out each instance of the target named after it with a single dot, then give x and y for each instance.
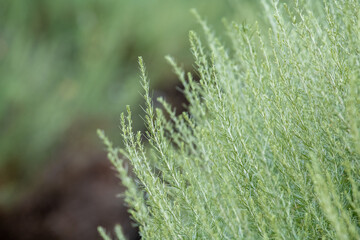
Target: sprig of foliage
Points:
(269, 147)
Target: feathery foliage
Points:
(269, 147)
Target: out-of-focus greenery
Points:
(61, 61)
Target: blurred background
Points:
(68, 67)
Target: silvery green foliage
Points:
(269, 147)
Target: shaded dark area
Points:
(172, 92)
(73, 195)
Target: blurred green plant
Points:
(269, 147)
(61, 61)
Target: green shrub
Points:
(269, 147)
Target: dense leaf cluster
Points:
(269, 147)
